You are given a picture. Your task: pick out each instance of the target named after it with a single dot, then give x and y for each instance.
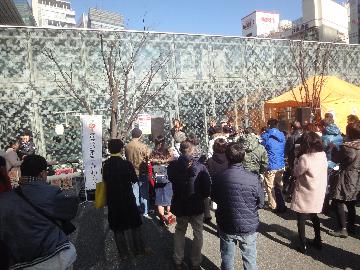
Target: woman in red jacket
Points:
(4, 177)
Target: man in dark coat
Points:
(191, 185)
(345, 184)
(291, 152)
(291, 143)
(239, 195)
(27, 220)
(124, 216)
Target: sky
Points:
(215, 17)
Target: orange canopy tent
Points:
(337, 97)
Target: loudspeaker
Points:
(157, 127)
(303, 115)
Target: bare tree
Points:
(128, 95)
(307, 65)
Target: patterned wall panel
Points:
(212, 76)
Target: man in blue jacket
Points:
(274, 141)
(191, 185)
(239, 195)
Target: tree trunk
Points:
(113, 126)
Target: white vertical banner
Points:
(92, 149)
(144, 121)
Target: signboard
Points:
(144, 121)
(92, 149)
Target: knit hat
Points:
(136, 133)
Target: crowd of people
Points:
(315, 168)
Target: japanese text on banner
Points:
(92, 149)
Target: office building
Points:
(354, 29)
(101, 19)
(322, 20)
(259, 23)
(53, 13)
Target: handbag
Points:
(65, 225)
(100, 195)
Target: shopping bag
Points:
(100, 195)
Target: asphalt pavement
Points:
(276, 244)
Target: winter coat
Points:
(28, 234)
(26, 149)
(345, 184)
(290, 146)
(256, 158)
(137, 153)
(5, 184)
(217, 163)
(191, 185)
(118, 175)
(239, 195)
(331, 134)
(12, 160)
(274, 142)
(310, 171)
(13, 165)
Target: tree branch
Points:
(68, 81)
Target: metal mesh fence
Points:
(213, 76)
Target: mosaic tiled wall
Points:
(214, 76)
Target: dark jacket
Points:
(28, 234)
(331, 135)
(191, 185)
(118, 175)
(211, 131)
(290, 146)
(217, 163)
(256, 158)
(26, 149)
(274, 142)
(345, 184)
(239, 195)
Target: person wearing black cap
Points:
(138, 154)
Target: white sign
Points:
(92, 149)
(144, 121)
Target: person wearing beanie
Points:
(138, 153)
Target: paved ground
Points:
(277, 241)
